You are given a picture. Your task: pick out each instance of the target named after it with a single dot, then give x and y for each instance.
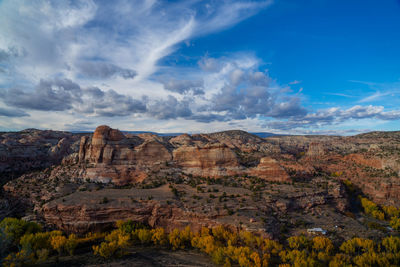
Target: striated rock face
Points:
(34, 149)
(259, 184)
(87, 211)
(361, 160)
(211, 160)
(99, 209)
(269, 169)
(111, 157)
(315, 150)
(84, 218)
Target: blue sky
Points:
(299, 67)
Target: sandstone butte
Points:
(111, 157)
(81, 182)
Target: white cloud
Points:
(54, 55)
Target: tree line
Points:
(25, 243)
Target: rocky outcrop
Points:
(294, 163)
(33, 149)
(315, 150)
(109, 156)
(84, 218)
(211, 160)
(361, 160)
(269, 169)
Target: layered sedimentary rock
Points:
(211, 160)
(268, 168)
(33, 149)
(83, 218)
(371, 162)
(99, 209)
(315, 150)
(109, 156)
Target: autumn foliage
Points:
(226, 247)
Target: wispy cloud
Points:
(374, 97)
(295, 82)
(66, 64)
(378, 91)
(340, 94)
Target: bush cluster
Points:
(27, 244)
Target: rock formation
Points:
(33, 149)
(269, 169)
(109, 156)
(230, 177)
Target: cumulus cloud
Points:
(242, 91)
(169, 108)
(209, 64)
(56, 56)
(109, 103)
(64, 94)
(184, 86)
(54, 95)
(288, 109)
(332, 116)
(10, 53)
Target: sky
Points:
(279, 66)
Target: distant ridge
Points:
(259, 134)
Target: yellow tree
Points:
(395, 223)
(321, 243)
(298, 242)
(159, 237)
(71, 244)
(391, 244)
(356, 246)
(58, 243)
